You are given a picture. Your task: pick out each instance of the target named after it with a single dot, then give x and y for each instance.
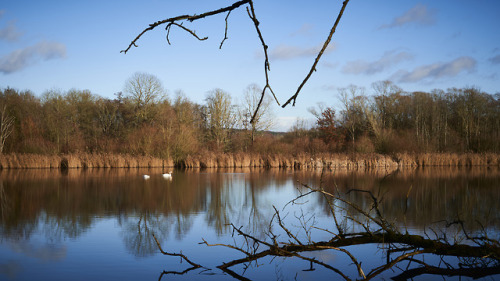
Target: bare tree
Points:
(108, 117)
(144, 91)
(263, 119)
(58, 119)
(179, 20)
(6, 122)
(353, 100)
(221, 117)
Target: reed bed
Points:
(242, 160)
(80, 160)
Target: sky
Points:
(418, 45)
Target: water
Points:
(99, 224)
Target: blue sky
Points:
(419, 45)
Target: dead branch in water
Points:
(182, 256)
(478, 255)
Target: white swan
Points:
(167, 175)
(146, 177)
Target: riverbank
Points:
(242, 160)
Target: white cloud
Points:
(20, 59)
(285, 52)
(387, 60)
(437, 70)
(10, 32)
(419, 14)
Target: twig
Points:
(354, 260)
(189, 18)
(313, 67)
(192, 32)
(227, 246)
(267, 67)
(195, 265)
(284, 228)
(375, 206)
(382, 268)
(177, 272)
(225, 31)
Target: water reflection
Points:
(44, 252)
(52, 206)
(423, 196)
(68, 203)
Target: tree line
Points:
(142, 120)
(392, 120)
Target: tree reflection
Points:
(452, 246)
(256, 220)
(4, 202)
(219, 203)
(69, 203)
(422, 196)
(137, 232)
(461, 251)
(56, 229)
(60, 206)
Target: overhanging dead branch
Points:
(251, 13)
(189, 18)
(318, 57)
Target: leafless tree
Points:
(353, 101)
(178, 21)
(263, 119)
(6, 122)
(221, 117)
(144, 90)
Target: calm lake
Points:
(99, 224)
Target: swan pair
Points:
(165, 176)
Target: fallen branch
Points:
(479, 255)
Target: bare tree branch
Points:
(288, 232)
(253, 17)
(313, 67)
(225, 31)
(189, 18)
(478, 254)
(192, 32)
(433, 270)
(195, 265)
(267, 68)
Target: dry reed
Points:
(242, 160)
